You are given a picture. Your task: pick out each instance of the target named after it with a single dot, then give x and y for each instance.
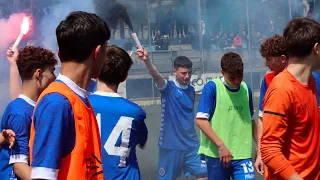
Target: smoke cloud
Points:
(55, 15)
(113, 11)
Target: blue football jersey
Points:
(177, 129)
(122, 127)
(16, 117)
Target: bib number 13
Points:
(123, 126)
(247, 167)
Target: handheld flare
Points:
(24, 30)
(135, 37)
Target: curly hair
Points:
(116, 66)
(31, 58)
(273, 47)
(232, 63)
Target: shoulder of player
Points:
(169, 82)
(264, 81)
(118, 100)
(17, 112)
(248, 87)
(14, 117)
(18, 107)
(191, 89)
(280, 84)
(280, 79)
(131, 108)
(270, 74)
(190, 86)
(92, 97)
(134, 108)
(56, 100)
(13, 105)
(210, 84)
(209, 88)
(265, 77)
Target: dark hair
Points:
(79, 34)
(232, 63)
(116, 66)
(273, 47)
(301, 34)
(182, 62)
(32, 58)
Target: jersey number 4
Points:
(123, 126)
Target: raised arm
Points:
(157, 77)
(14, 84)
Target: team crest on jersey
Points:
(162, 172)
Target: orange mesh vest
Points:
(84, 162)
(269, 77)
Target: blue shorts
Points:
(172, 162)
(238, 169)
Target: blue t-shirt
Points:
(17, 117)
(207, 104)
(264, 88)
(122, 127)
(55, 131)
(177, 117)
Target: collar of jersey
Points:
(27, 99)
(108, 94)
(228, 87)
(180, 86)
(73, 86)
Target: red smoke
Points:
(10, 29)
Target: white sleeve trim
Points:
(164, 86)
(19, 158)
(260, 113)
(202, 115)
(44, 173)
